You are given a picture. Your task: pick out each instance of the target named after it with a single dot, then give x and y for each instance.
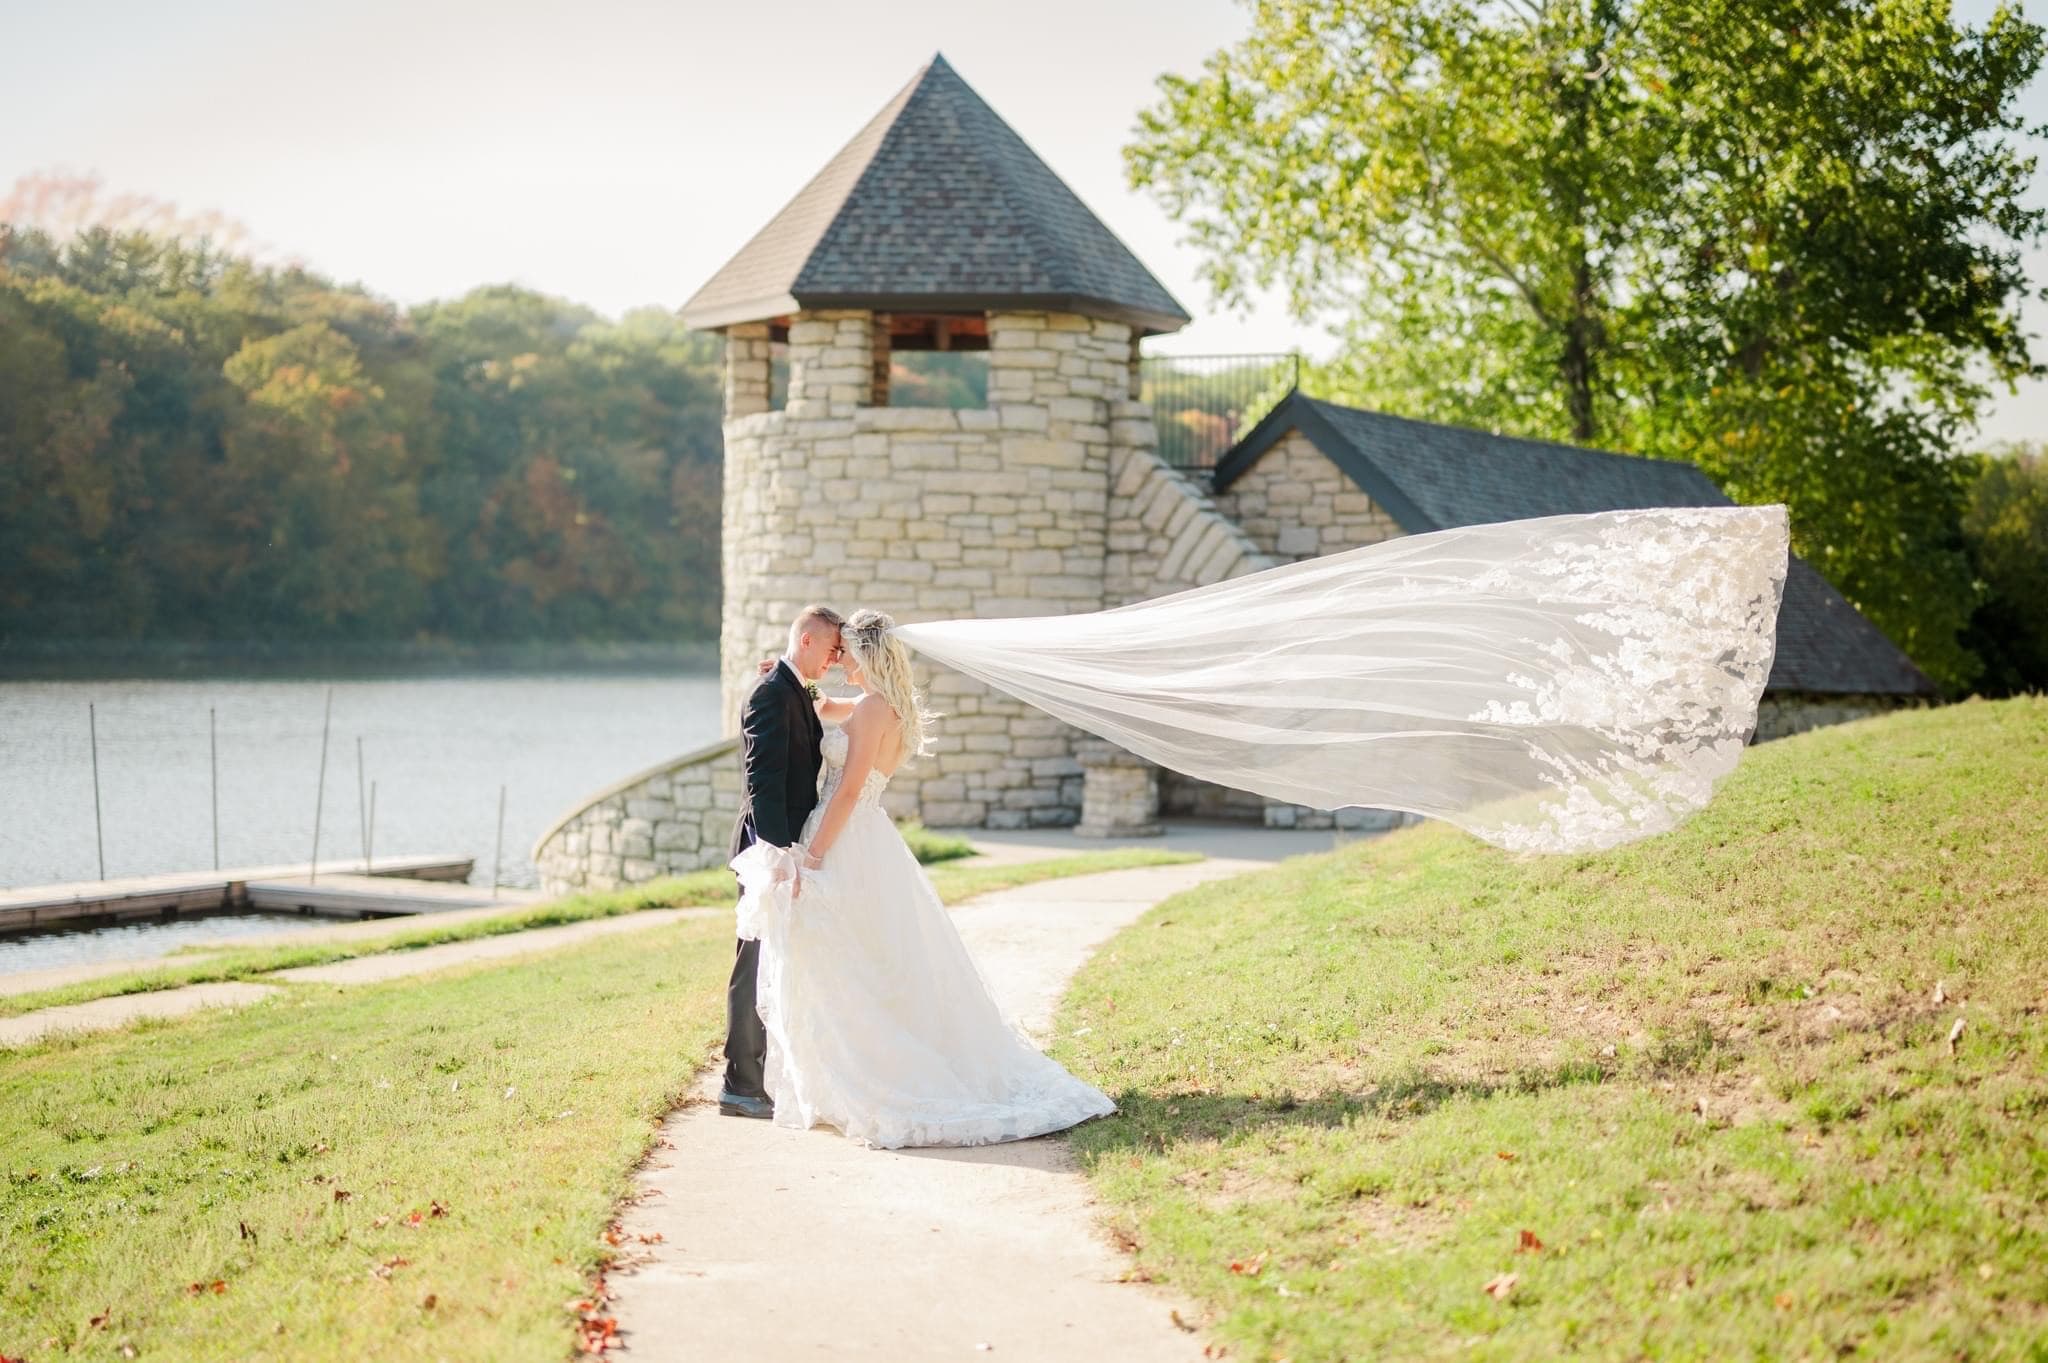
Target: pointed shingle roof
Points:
(1429, 476)
(937, 205)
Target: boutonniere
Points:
(811, 690)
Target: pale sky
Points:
(613, 152)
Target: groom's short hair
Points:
(814, 612)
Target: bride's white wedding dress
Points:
(878, 1021)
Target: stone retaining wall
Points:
(667, 820)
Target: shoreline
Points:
(123, 660)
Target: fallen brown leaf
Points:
(596, 1334)
(1955, 1034)
(1179, 1323)
(613, 1235)
(1503, 1154)
(436, 1209)
(428, 1302)
(1249, 1267)
(1784, 1301)
(247, 1234)
(1501, 1288)
(1527, 1243)
(1215, 1351)
(342, 1194)
(650, 1238)
(99, 1322)
(380, 1223)
(413, 1221)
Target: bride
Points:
(878, 1022)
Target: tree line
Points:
(195, 447)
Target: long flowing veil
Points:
(1559, 685)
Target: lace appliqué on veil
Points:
(1665, 676)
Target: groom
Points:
(779, 735)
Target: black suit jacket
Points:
(779, 736)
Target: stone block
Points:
(1300, 541)
(678, 837)
(1044, 453)
(1022, 417)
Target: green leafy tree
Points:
(1781, 241)
(2006, 525)
(197, 446)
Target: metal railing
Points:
(1204, 404)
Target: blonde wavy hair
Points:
(885, 663)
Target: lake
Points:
(438, 748)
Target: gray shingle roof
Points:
(935, 206)
(1432, 477)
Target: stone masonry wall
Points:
(1165, 533)
(930, 514)
(667, 820)
(1295, 504)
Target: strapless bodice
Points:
(833, 749)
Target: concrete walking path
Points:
(778, 1245)
(122, 1009)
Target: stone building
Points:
(936, 229)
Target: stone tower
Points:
(937, 228)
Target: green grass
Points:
(1707, 1072)
(700, 889)
(929, 847)
(219, 1148)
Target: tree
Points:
(1780, 241)
(2007, 529)
(197, 446)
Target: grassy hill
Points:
(1694, 1098)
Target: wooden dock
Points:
(361, 896)
(422, 882)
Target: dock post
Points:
(370, 831)
(362, 810)
(99, 837)
(213, 766)
(498, 857)
(320, 795)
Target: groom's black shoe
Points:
(732, 1104)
